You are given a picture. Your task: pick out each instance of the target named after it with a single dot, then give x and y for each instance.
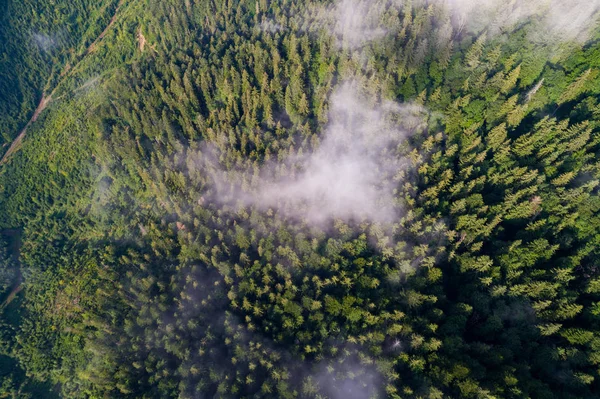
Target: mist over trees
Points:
(284, 199)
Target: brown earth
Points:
(141, 40)
(12, 296)
(16, 144)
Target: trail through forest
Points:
(11, 296)
(92, 46)
(46, 99)
(17, 142)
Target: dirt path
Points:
(92, 46)
(46, 99)
(17, 142)
(12, 295)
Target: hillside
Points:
(285, 199)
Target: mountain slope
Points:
(288, 199)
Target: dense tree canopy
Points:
(171, 228)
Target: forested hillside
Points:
(300, 199)
(39, 43)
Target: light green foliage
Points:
(149, 273)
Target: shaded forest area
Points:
(39, 42)
(235, 198)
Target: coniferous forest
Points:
(333, 199)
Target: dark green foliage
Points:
(37, 41)
(143, 278)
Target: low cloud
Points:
(573, 19)
(352, 173)
(270, 26)
(353, 23)
(44, 42)
(347, 376)
(358, 22)
(558, 19)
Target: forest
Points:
(328, 199)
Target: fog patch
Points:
(573, 19)
(344, 377)
(358, 22)
(350, 176)
(353, 23)
(270, 26)
(558, 20)
(92, 84)
(44, 42)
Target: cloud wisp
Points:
(352, 173)
(559, 20)
(44, 42)
(357, 22)
(346, 378)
